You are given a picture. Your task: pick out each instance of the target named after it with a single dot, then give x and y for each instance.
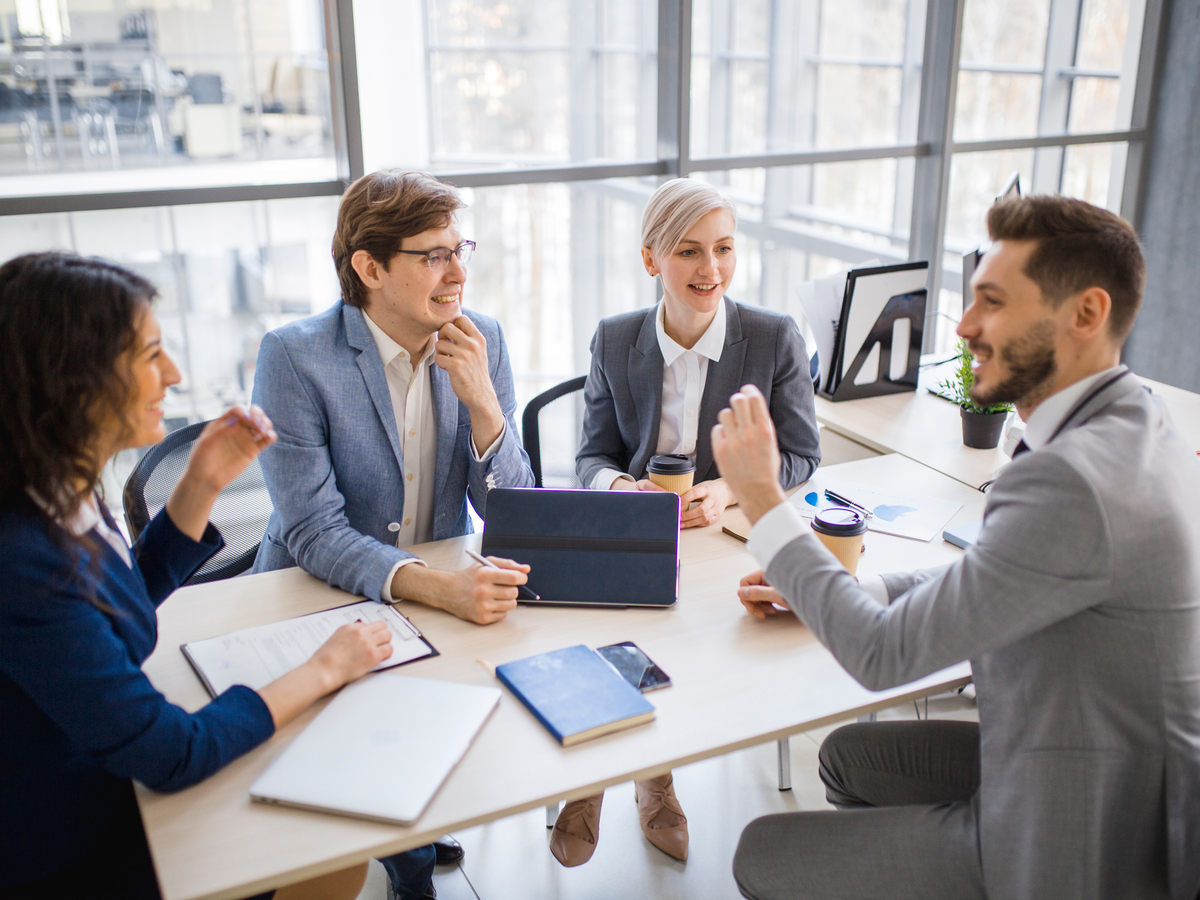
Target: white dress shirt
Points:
(685, 372)
(783, 524)
(88, 517)
(411, 390)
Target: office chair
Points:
(240, 513)
(560, 424)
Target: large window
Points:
(110, 96)
(205, 143)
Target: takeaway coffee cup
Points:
(672, 472)
(841, 530)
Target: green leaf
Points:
(958, 385)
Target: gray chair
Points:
(551, 426)
(240, 513)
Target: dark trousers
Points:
(908, 829)
(119, 867)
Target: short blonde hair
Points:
(674, 208)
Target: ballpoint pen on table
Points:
(523, 593)
(837, 498)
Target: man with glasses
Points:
(393, 408)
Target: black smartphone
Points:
(635, 666)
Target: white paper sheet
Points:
(257, 656)
(916, 516)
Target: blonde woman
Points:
(659, 376)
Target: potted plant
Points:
(981, 425)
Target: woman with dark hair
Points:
(84, 375)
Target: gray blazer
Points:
(624, 392)
(1079, 609)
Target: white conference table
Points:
(738, 682)
(928, 429)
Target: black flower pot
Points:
(982, 430)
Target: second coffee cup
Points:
(672, 472)
(841, 530)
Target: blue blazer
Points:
(336, 475)
(79, 718)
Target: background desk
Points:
(737, 682)
(928, 429)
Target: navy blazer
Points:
(624, 392)
(336, 475)
(77, 714)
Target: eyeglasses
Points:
(437, 259)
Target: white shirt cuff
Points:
(605, 478)
(774, 531)
(386, 594)
(876, 587)
(490, 451)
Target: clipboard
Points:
(877, 342)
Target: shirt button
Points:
(410, 476)
(393, 527)
(412, 432)
(408, 521)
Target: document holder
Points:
(589, 548)
(877, 344)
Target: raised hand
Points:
(221, 453)
(747, 452)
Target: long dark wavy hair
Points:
(65, 323)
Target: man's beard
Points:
(1031, 366)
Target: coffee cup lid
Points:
(839, 521)
(671, 464)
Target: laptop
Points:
(380, 750)
(589, 548)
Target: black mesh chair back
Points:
(240, 513)
(551, 427)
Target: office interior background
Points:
(205, 143)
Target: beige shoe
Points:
(577, 831)
(663, 821)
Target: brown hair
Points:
(66, 321)
(380, 210)
(1078, 246)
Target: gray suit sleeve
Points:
(300, 478)
(602, 446)
(792, 407)
(1044, 554)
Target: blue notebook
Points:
(575, 694)
(963, 535)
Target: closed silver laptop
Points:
(381, 749)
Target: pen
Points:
(523, 593)
(836, 498)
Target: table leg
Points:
(551, 814)
(783, 748)
(869, 717)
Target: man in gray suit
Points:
(1079, 608)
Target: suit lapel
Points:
(445, 410)
(645, 380)
(359, 337)
(724, 378)
(1108, 391)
